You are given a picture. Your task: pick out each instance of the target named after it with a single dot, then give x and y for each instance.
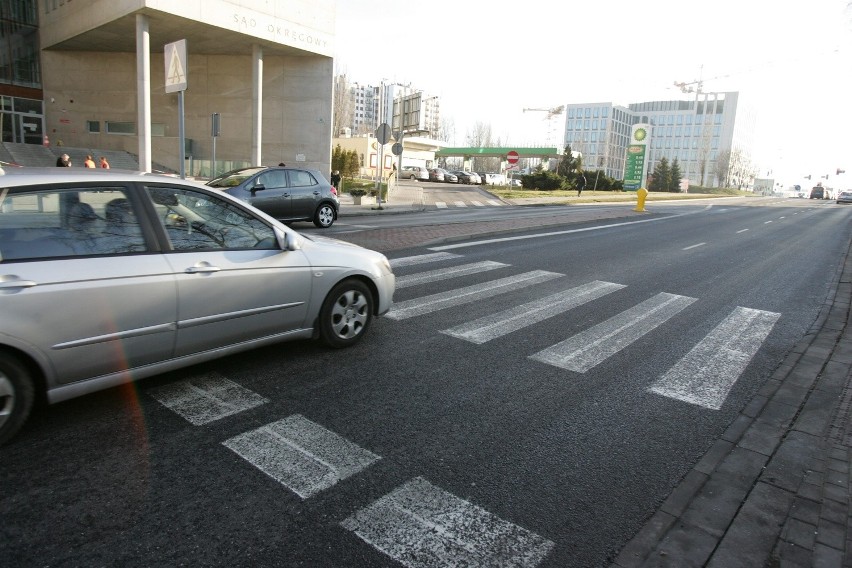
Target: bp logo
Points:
(640, 134)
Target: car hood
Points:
(326, 251)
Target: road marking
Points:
(494, 202)
(694, 246)
(767, 222)
(440, 205)
(706, 374)
(420, 526)
(447, 273)
(742, 231)
(554, 233)
(782, 217)
(460, 204)
(301, 455)
(593, 346)
(422, 259)
(477, 203)
(497, 325)
(206, 399)
(466, 295)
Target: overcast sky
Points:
(490, 59)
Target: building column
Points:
(256, 103)
(143, 91)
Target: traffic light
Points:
(839, 171)
(808, 176)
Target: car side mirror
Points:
(258, 187)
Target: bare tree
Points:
(480, 137)
(342, 105)
(705, 149)
(447, 131)
(722, 168)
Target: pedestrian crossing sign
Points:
(175, 60)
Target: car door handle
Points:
(316, 193)
(15, 283)
(202, 268)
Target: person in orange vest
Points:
(90, 162)
(104, 163)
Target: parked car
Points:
(417, 173)
(288, 194)
(436, 174)
(467, 177)
(110, 276)
(448, 176)
(492, 179)
(845, 196)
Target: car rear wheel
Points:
(346, 314)
(16, 396)
(324, 216)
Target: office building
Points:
(92, 74)
(711, 137)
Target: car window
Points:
(273, 179)
(51, 223)
(301, 178)
(194, 220)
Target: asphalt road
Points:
(540, 436)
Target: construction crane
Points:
(552, 113)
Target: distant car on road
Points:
(288, 194)
(845, 196)
(116, 276)
(416, 173)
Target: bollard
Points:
(641, 194)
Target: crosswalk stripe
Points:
(460, 204)
(300, 454)
(201, 400)
(491, 327)
(706, 374)
(593, 346)
(477, 203)
(494, 202)
(447, 273)
(420, 525)
(422, 259)
(440, 204)
(468, 294)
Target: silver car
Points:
(109, 276)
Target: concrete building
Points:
(264, 66)
(711, 137)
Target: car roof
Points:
(14, 177)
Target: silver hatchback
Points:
(107, 277)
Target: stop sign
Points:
(512, 157)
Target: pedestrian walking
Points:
(63, 161)
(104, 163)
(90, 162)
(581, 184)
(335, 178)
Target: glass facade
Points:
(21, 117)
(19, 49)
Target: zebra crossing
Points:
(703, 377)
(419, 524)
(459, 204)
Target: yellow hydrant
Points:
(641, 194)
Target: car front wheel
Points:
(346, 314)
(324, 216)
(16, 396)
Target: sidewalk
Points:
(774, 489)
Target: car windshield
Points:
(234, 178)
